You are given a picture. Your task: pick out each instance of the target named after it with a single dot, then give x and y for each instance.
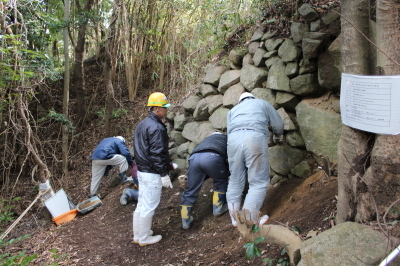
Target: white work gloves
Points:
(277, 139)
(166, 181)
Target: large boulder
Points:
(214, 102)
(236, 56)
(201, 111)
(197, 131)
(311, 48)
(320, 125)
(308, 13)
(292, 156)
(218, 118)
(298, 29)
(213, 74)
(294, 139)
(207, 89)
(273, 44)
(330, 67)
(257, 35)
(266, 95)
(232, 95)
(258, 58)
(190, 103)
(288, 51)
(252, 77)
(253, 47)
(287, 100)
(247, 60)
(277, 79)
(179, 121)
(304, 84)
(228, 79)
(346, 244)
(177, 137)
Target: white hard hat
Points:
(121, 138)
(245, 95)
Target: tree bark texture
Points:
(383, 176)
(109, 69)
(79, 80)
(354, 145)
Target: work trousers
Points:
(248, 156)
(202, 166)
(99, 168)
(149, 193)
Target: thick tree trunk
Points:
(354, 145)
(383, 176)
(110, 67)
(366, 191)
(79, 81)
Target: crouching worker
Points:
(130, 194)
(110, 152)
(208, 159)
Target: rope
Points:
(22, 215)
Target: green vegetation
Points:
(20, 258)
(252, 250)
(6, 215)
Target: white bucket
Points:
(59, 204)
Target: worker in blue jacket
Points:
(110, 152)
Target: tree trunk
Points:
(66, 91)
(383, 176)
(367, 191)
(79, 80)
(354, 145)
(109, 69)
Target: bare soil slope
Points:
(104, 235)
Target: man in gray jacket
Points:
(248, 135)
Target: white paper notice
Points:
(371, 103)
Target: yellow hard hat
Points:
(158, 99)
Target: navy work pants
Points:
(203, 165)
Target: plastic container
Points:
(65, 217)
(88, 205)
(59, 204)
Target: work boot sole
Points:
(151, 242)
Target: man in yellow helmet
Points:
(153, 163)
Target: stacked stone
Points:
(299, 76)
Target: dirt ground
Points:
(104, 235)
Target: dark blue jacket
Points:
(109, 147)
(151, 146)
(216, 143)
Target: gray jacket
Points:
(255, 114)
